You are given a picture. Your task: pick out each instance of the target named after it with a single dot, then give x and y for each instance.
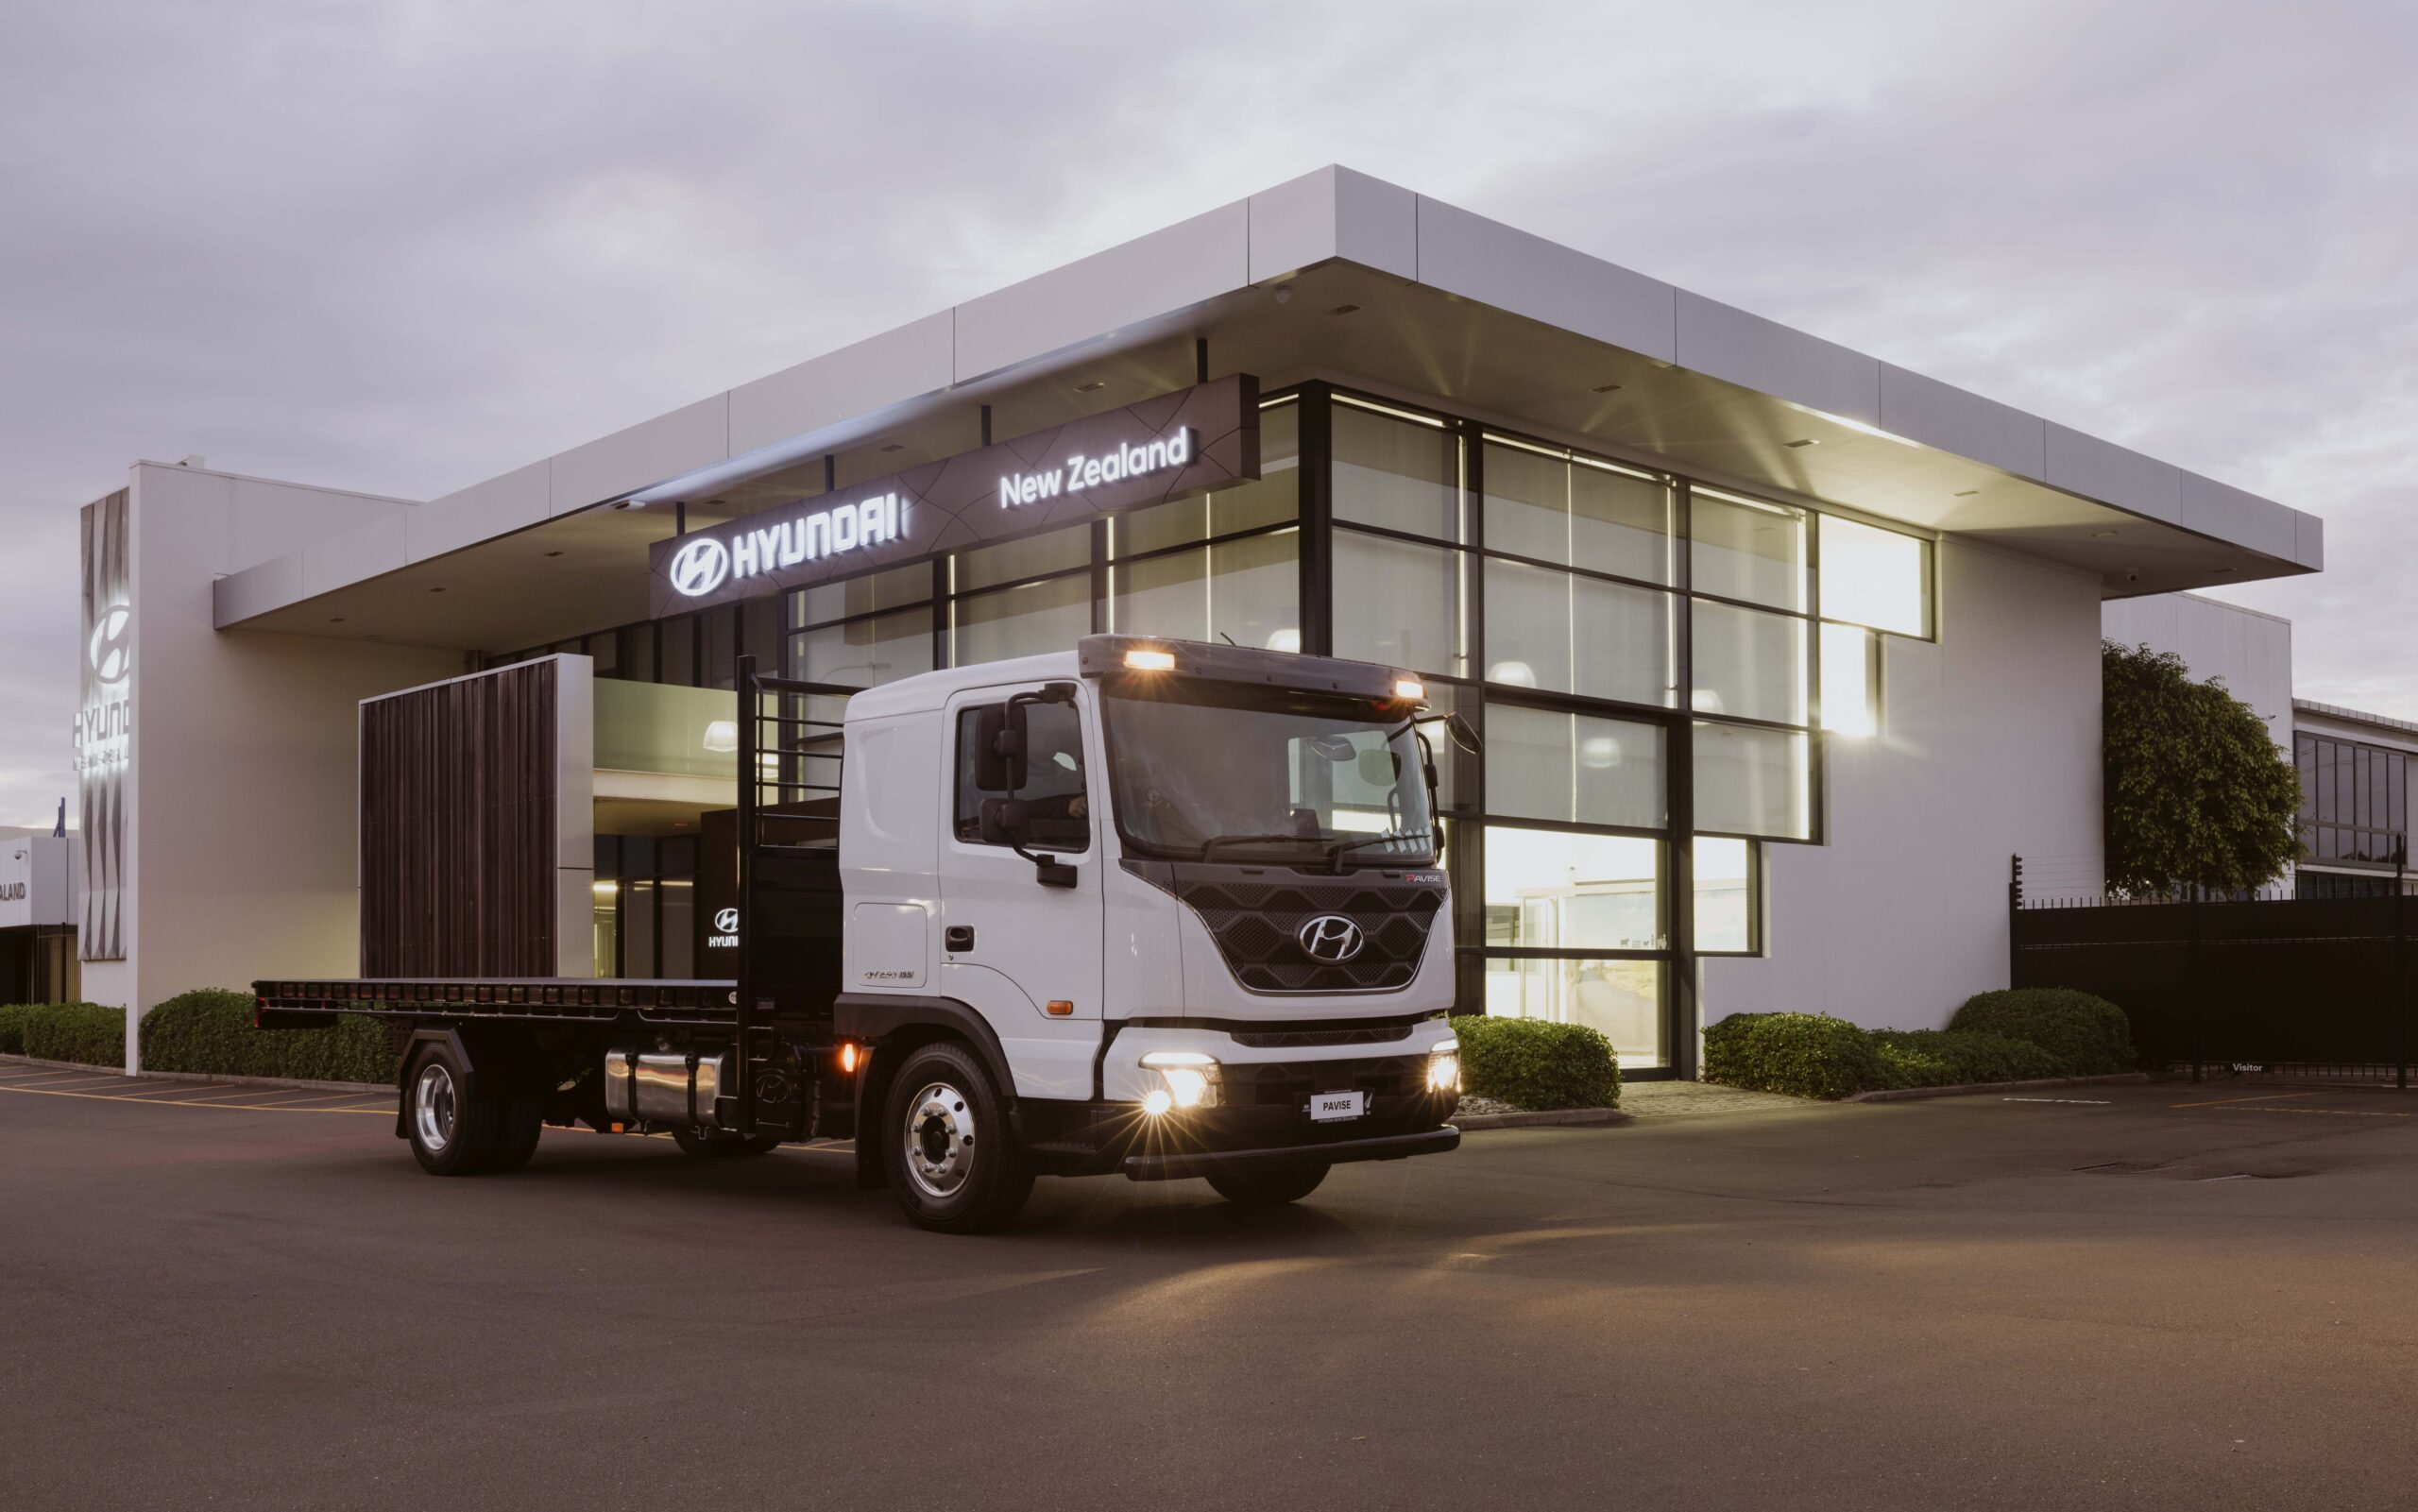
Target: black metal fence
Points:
(2305, 985)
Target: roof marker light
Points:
(1409, 688)
(1151, 661)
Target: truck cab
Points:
(1182, 900)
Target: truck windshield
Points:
(1205, 770)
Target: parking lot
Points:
(2143, 1296)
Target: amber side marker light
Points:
(847, 1059)
(1060, 1008)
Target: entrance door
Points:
(1025, 956)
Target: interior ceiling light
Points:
(1343, 309)
(1605, 388)
(1967, 493)
(1092, 387)
(336, 618)
(554, 554)
(436, 590)
(1800, 443)
(2100, 535)
(895, 446)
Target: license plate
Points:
(1334, 1107)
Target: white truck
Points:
(1160, 907)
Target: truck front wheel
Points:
(1267, 1186)
(452, 1133)
(953, 1166)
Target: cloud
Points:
(404, 247)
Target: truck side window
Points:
(1053, 790)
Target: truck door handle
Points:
(958, 936)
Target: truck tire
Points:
(452, 1133)
(1267, 1186)
(953, 1164)
(517, 1133)
(723, 1143)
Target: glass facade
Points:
(2355, 805)
(1653, 667)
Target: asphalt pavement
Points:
(2161, 1295)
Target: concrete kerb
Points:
(1973, 1088)
(290, 1083)
(1468, 1123)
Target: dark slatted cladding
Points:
(457, 828)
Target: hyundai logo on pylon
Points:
(111, 650)
(1331, 937)
(699, 567)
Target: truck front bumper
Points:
(1176, 1165)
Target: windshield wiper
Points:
(1214, 841)
(1338, 850)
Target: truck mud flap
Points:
(1172, 1168)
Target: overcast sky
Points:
(404, 246)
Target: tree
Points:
(2198, 795)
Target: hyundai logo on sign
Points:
(725, 935)
(698, 568)
(1331, 937)
(112, 650)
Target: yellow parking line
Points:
(2229, 1102)
(237, 1107)
(92, 1078)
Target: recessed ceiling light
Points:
(895, 446)
(1800, 442)
(1967, 493)
(1605, 388)
(554, 554)
(2228, 570)
(436, 590)
(336, 618)
(1092, 387)
(2100, 535)
(1343, 309)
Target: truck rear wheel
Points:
(452, 1133)
(723, 1143)
(517, 1129)
(1267, 1186)
(953, 1166)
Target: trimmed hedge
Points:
(1951, 1057)
(2087, 1036)
(1806, 1054)
(81, 1033)
(13, 1025)
(1535, 1063)
(210, 1032)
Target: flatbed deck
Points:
(299, 1002)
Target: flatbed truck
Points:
(1155, 907)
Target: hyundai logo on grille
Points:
(1331, 937)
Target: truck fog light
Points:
(1189, 1078)
(1444, 1070)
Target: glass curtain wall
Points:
(1654, 664)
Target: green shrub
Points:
(81, 1033)
(1951, 1057)
(13, 1025)
(2087, 1036)
(1535, 1063)
(1807, 1055)
(210, 1032)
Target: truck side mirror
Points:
(1004, 822)
(998, 748)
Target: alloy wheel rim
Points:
(939, 1140)
(432, 1107)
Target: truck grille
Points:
(1257, 924)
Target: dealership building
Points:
(1778, 652)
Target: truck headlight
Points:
(1444, 1068)
(1186, 1079)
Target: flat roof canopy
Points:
(1408, 298)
